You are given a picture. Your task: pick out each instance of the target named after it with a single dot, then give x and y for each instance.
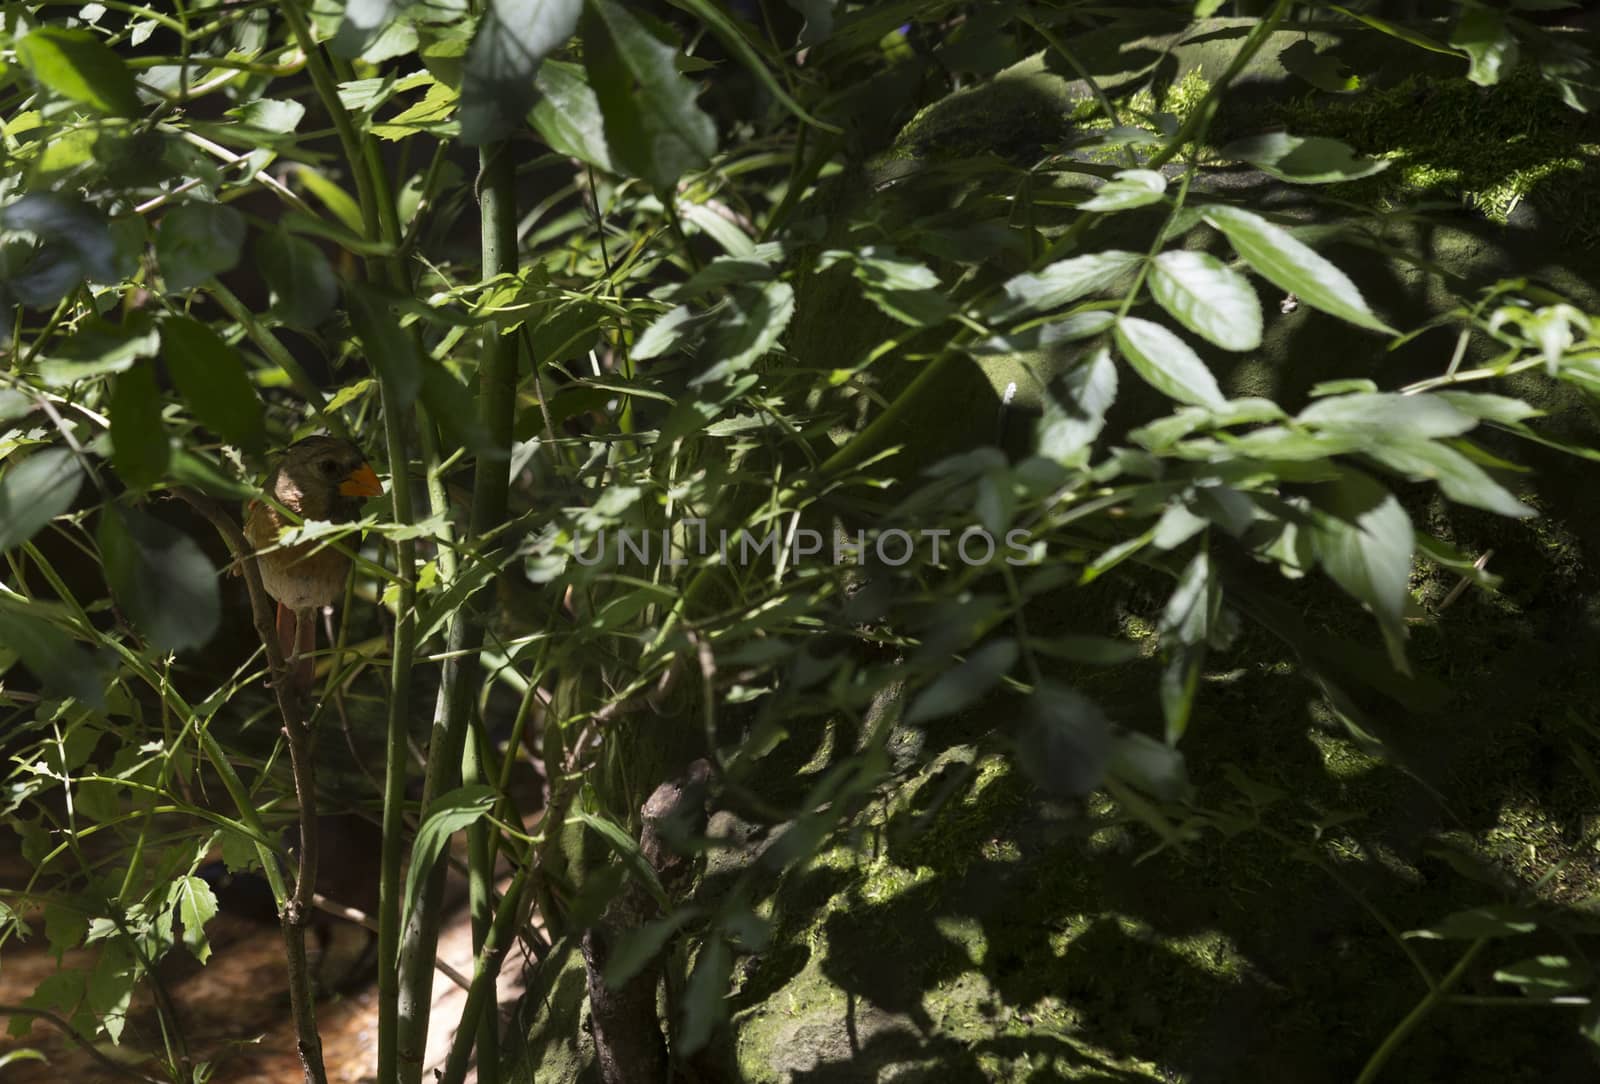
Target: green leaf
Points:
(34, 490)
(77, 65)
(448, 814)
(160, 578)
(1128, 189)
(1546, 975)
(960, 688)
(334, 198)
(64, 926)
(197, 241)
(745, 328)
(627, 849)
(268, 120)
(1499, 920)
(139, 444)
(1383, 415)
(705, 1004)
(305, 290)
(497, 81)
(1207, 297)
(196, 905)
(98, 347)
(109, 990)
(361, 25)
(1363, 539)
(453, 405)
(1093, 650)
(1064, 281)
(638, 946)
(1394, 30)
(567, 115)
(671, 332)
(1065, 744)
(1290, 265)
(902, 289)
(211, 377)
(1154, 767)
(1488, 407)
(725, 28)
(1192, 609)
(60, 664)
(1075, 412)
(1460, 478)
(78, 245)
(1070, 328)
(1303, 159)
(1490, 46)
(1324, 70)
(653, 126)
(390, 351)
(1166, 362)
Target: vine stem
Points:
(1416, 1016)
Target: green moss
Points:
(1490, 148)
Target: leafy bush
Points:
(755, 386)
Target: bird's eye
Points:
(329, 467)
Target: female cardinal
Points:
(322, 478)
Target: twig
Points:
(77, 1037)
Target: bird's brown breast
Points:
(301, 576)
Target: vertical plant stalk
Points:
(380, 221)
(451, 755)
(294, 911)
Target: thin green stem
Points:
(1416, 1016)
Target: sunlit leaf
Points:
(1064, 281)
(1129, 188)
(497, 81)
(1363, 540)
(567, 115)
(1075, 411)
(1207, 297)
(196, 905)
(1546, 975)
(1303, 159)
(78, 65)
(1490, 45)
(1293, 266)
(1166, 362)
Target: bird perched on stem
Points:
(318, 478)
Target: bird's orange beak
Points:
(362, 482)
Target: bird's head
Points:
(324, 478)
